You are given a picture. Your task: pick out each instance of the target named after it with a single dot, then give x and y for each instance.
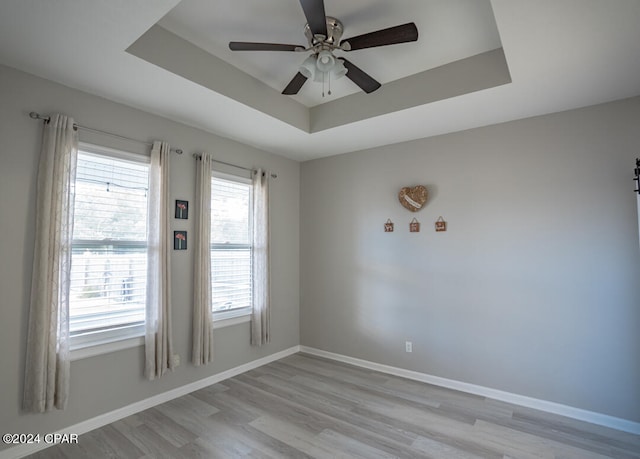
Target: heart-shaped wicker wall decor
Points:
(413, 198)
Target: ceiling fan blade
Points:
(249, 46)
(359, 77)
(316, 17)
(295, 84)
(399, 34)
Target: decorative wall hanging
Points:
(182, 209)
(179, 240)
(414, 226)
(441, 225)
(388, 226)
(413, 198)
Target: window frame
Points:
(90, 343)
(238, 315)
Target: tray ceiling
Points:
(560, 55)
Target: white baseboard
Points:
(522, 400)
(115, 415)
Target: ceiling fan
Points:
(323, 35)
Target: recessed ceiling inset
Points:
(450, 30)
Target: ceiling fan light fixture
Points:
(308, 67)
(338, 70)
(322, 67)
(325, 61)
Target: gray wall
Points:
(535, 287)
(104, 383)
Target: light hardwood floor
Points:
(305, 406)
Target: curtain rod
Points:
(198, 156)
(46, 119)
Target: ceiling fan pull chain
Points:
(323, 84)
(329, 76)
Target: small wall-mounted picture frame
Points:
(182, 209)
(179, 240)
(414, 226)
(388, 226)
(441, 225)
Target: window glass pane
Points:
(231, 278)
(229, 212)
(230, 245)
(109, 250)
(111, 199)
(108, 287)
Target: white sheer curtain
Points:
(158, 341)
(202, 314)
(46, 382)
(261, 316)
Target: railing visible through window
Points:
(109, 249)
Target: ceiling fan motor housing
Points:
(334, 33)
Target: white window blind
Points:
(109, 250)
(230, 245)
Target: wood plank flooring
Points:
(304, 406)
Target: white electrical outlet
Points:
(408, 346)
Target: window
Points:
(109, 248)
(231, 286)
